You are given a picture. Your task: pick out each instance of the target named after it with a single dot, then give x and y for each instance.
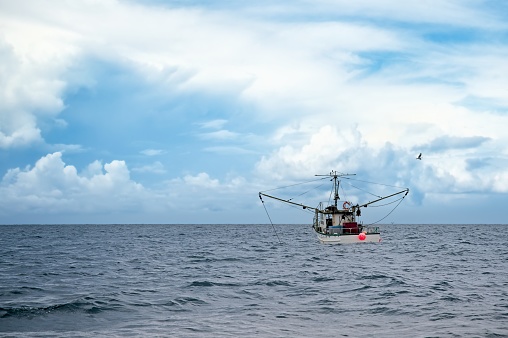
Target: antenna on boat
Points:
(336, 182)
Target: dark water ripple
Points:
(237, 280)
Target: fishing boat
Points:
(337, 221)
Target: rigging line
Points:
(383, 205)
(303, 193)
(344, 193)
(386, 185)
(292, 185)
(330, 197)
(273, 226)
(400, 201)
(368, 192)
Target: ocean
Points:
(239, 281)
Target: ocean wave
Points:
(210, 284)
(35, 311)
(275, 283)
(323, 279)
(375, 276)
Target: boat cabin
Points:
(332, 220)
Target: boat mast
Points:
(336, 183)
(336, 188)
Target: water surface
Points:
(238, 280)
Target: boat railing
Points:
(371, 230)
(339, 230)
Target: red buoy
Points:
(362, 236)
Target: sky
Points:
(152, 111)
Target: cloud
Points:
(51, 186)
(31, 89)
(219, 135)
(52, 189)
(17, 127)
(156, 168)
(285, 68)
(323, 151)
(485, 104)
(67, 148)
(448, 12)
(201, 180)
(312, 85)
(478, 163)
(214, 124)
(444, 143)
(229, 150)
(152, 152)
(330, 148)
(209, 198)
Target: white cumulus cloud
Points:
(52, 186)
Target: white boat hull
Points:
(347, 239)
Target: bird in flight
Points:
(419, 157)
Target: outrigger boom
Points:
(285, 201)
